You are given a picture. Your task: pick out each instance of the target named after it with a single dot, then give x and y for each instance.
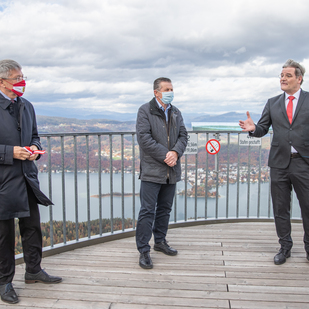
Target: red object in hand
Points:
(34, 151)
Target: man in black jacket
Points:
(288, 114)
(162, 139)
(19, 185)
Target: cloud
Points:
(103, 54)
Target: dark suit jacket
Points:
(285, 134)
(14, 174)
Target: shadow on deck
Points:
(226, 265)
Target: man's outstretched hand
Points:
(247, 125)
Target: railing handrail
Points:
(129, 133)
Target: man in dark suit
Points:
(288, 114)
(19, 186)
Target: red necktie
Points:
(289, 109)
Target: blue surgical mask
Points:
(167, 97)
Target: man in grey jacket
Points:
(162, 138)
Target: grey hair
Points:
(299, 69)
(158, 81)
(6, 66)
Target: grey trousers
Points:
(156, 205)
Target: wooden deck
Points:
(226, 265)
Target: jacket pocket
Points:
(275, 144)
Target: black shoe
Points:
(307, 255)
(145, 260)
(8, 293)
(281, 256)
(165, 248)
(42, 276)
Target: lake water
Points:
(128, 200)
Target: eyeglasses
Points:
(18, 79)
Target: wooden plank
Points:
(41, 303)
(139, 298)
(146, 290)
(240, 304)
(269, 289)
(162, 279)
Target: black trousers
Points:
(156, 205)
(31, 236)
(282, 180)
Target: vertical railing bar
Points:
(175, 204)
(51, 223)
(248, 180)
(228, 176)
(111, 181)
(76, 188)
(291, 204)
(122, 184)
(237, 195)
(100, 183)
(195, 185)
(186, 187)
(269, 190)
(133, 180)
(63, 192)
(206, 180)
(88, 186)
(269, 195)
(217, 183)
(259, 182)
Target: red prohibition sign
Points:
(213, 146)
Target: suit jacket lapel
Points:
(300, 102)
(283, 108)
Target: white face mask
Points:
(167, 97)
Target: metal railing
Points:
(231, 185)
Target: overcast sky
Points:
(103, 55)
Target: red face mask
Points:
(19, 88)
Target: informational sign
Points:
(246, 140)
(192, 144)
(213, 146)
